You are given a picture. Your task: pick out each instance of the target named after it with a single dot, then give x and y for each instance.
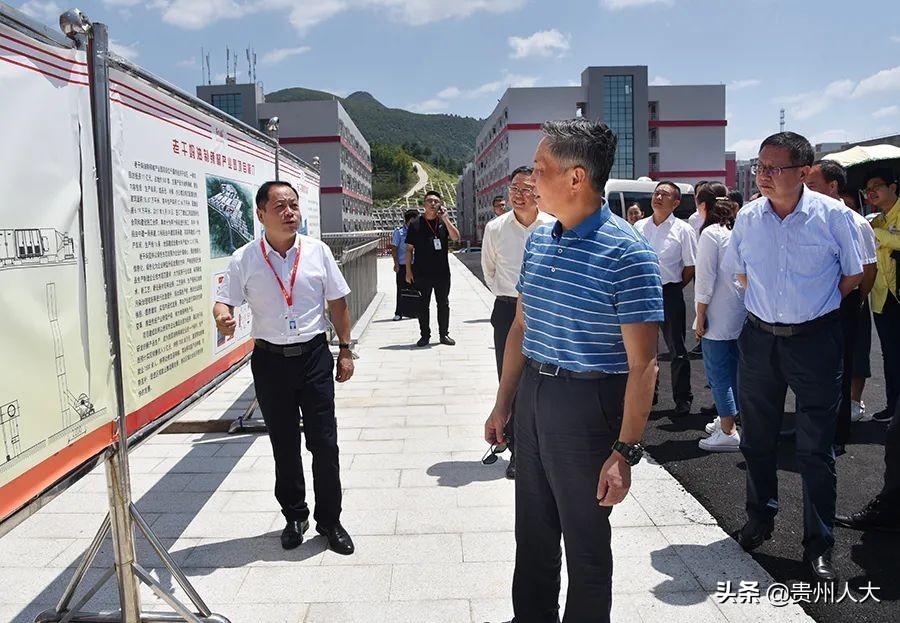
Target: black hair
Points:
(580, 142)
(833, 172)
(802, 153)
(708, 194)
(885, 175)
(432, 192)
(262, 195)
(523, 170)
(721, 212)
(673, 185)
(497, 198)
(736, 196)
(410, 214)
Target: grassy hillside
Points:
(447, 137)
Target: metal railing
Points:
(357, 255)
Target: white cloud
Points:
(885, 80)
(618, 5)
(276, 56)
(188, 62)
(127, 51)
(887, 111)
(45, 11)
(304, 14)
(830, 136)
(442, 101)
(895, 38)
(660, 81)
(544, 43)
(737, 85)
(746, 149)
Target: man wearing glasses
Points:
(501, 261)
(797, 256)
(676, 245)
(498, 205)
(427, 242)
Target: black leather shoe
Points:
(338, 539)
(511, 468)
(292, 535)
(872, 517)
(449, 341)
(683, 408)
(883, 416)
(423, 341)
(823, 568)
(754, 533)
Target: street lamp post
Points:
(272, 130)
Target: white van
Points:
(622, 193)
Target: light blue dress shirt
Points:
(398, 239)
(793, 266)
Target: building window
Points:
(654, 137)
(654, 161)
(618, 114)
(229, 103)
(653, 110)
(579, 109)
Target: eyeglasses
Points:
(664, 195)
(871, 192)
(759, 169)
(522, 190)
(433, 201)
(490, 457)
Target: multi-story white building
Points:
(314, 129)
(665, 132)
(324, 130)
(465, 203)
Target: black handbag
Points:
(410, 301)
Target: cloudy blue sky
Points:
(833, 65)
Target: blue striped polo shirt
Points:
(579, 286)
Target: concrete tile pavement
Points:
(433, 527)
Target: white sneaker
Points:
(713, 426)
(397, 317)
(858, 412)
(720, 442)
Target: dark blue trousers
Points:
(811, 365)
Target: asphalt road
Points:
(717, 481)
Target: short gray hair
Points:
(580, 142)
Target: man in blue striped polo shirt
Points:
(580, 361)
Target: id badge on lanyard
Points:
(436, 231)
(437, 244)
(291, 318)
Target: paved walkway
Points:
(433, 527)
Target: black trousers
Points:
(811, 365)
(401, 282)
(502, 319)
(850, 309)
(440, 285)
(887, 323)
(565, 429)
(673, 329)
(284, 385)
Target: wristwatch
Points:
(631, 453)
(344, 346)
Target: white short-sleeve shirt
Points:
(675, 245)
(865, 235)
(249, 278)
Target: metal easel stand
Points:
(246, 423)
(123, 515)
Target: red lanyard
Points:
(288, 294)
(434, 230)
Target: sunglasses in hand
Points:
(490, 457)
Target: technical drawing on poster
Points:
(72, 408)
(9, 429)
(34, 247)
(230, 207)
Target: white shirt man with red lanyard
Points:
(288, 279)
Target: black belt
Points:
(548, 369)
(291, 350)
(508, 299)
(790, 330)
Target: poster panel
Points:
(184, 184)
(56, 388)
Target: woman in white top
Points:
(720, 316)
(697, 219)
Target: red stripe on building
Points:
(499, 182)
(509, 127)
(306, 140)
(337, 190)
(41, 71)
(667, 174)
(43, 51)
(690, 123)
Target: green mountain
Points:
(449, 138)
